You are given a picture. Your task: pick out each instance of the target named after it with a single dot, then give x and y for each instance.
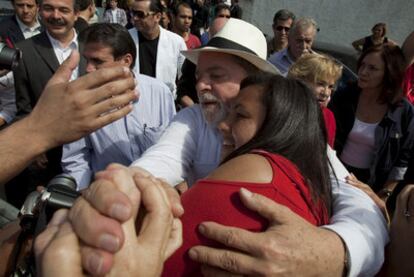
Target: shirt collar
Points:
(56, 44)
(24, 27)
(285, 54)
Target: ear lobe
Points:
(127, 59)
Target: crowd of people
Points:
(201, 147)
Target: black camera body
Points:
(60, 192)
(36, 212)
(9, 57)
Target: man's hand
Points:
(289, 247)
(109, 207)
(68, 111)
(398, 253)
(57, 248)
(352, 180)
(4, 72)
(41, 161)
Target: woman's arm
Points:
(357, 44)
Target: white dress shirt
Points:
(27, 31)
(62, 53)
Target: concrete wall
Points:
(340, 21)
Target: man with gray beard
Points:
(190, 149)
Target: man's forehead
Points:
(216, 60)
(60, 3)
(96, 48)
(27, 2)
(288, 21)
(182, 9)
(141, 4)
(309, 32)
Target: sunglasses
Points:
(280, 28)
(222, 15)
(141, 14)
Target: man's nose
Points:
(224, 126)
(56, 13)
(203, 84)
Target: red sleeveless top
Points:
(218, 201)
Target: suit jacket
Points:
(169, 57)
(36, 67)
(9, 28)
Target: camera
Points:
(60, 192)
(9, 57)
(37, 210)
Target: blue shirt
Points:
(282, 61)
(124, 140)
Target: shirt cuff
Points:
(397, 173)
(357, 248)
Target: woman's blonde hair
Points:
(315, 67)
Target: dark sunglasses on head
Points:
(141, 14)
(280, 28)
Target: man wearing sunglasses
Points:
(300, 40)
(282, 21)
(158, 49)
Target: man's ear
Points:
(127, 59)
(158, 17)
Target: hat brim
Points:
(258, 62)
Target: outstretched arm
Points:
(66, 112)
(357, 44)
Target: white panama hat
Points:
(238, 38)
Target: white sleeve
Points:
(361, 225)
(171, 157)
(181, 58)
(8, 107)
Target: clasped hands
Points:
(149, 234)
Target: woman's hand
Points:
(352, 180)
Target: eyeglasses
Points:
(223, 15)
(280, 28)
(141, 14)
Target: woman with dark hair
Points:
(375, 126)
(271, 127)
(376, 39)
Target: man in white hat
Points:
(190, 148)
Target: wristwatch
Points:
(385, 193)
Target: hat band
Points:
(224, 43)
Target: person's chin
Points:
(226, 149)
(362, 83)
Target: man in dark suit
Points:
(42, 55)
(23, 24)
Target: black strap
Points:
(224, 43)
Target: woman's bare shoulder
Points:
(245, 168)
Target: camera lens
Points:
(9, 57)
(62, 181)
